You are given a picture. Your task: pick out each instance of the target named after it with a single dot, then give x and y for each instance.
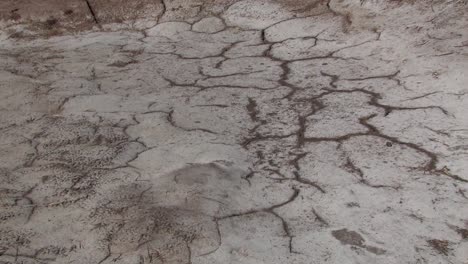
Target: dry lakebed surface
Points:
(227, 131)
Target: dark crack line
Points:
(353, 169)
(189, 253)
(270, 210)
(170, 119)
(421, 96)
(32, 205)
(350, 167)
(430, 166)
(164, 9)
(319, 218)
(218, 232)
(287, 232)
(91, 11)
(267, 210)
(221, 86)
(259, 137)
(298, 178)
(374, 101)
(213, 105)
(462, 193)
(249, 176)
(108, 254)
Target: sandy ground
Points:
(226, 132)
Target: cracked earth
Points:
(246, 131)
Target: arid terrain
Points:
(234, 131)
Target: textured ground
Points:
(235, 132)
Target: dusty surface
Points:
(235, 132)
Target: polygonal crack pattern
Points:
(248, 132)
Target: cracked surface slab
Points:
(248, 131)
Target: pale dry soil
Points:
(254, 131)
